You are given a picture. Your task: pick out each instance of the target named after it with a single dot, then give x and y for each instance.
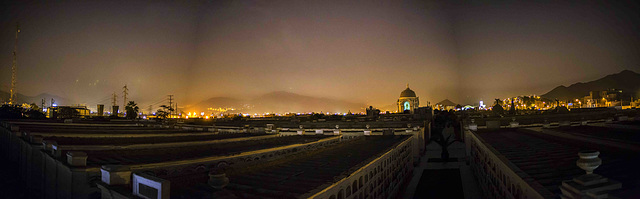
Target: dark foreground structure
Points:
(557, 159)
(371, 159)
(85, 159)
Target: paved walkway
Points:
(438, 179)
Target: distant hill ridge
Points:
(4, 96)
(281, 101)
(626, 80)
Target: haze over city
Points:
(357, 51)
(319, 99)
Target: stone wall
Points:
(381, 178)
(497, 177)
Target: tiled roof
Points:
(141, 156)
(550, 160)
(299, 175)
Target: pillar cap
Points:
(76, 154)
(115, 168)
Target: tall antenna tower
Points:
(113, 100)
(125, 91)
(14, 68)
(170, 106)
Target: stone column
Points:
(367, 131)
(609, 120)
(514, 123)
(473, 126)
(337, 131)
(77, 158)
(546, 124)
(47, 145)
(116, 174)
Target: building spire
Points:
(407, 85)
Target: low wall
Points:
(497, 177)
(381, 178)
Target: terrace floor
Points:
(435, 178)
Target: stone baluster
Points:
(514, 123)
(546, 124)
(473, 126)
(218, 178)
(337, 131)
(590, 185)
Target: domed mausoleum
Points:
(408, 101)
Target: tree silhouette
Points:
(17, 112)
(132, 110)
(512, 110)
(497, 108)
(164, 111)
(442, 120)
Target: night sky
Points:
(356, 51)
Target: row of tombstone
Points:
(496, 124)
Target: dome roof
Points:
(408, 93)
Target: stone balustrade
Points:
(379, 178)
(497, 177)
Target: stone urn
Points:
(608, 120)
(218, 179)
(546, 124)
(473, 126)
(589, 160)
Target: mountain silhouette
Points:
(20, 98)
(281, 102)
(628, 81)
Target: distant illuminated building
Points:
(408, 101)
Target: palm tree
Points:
(132, 110)
(441, 121)
(497, 108)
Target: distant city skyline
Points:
(359, 52)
